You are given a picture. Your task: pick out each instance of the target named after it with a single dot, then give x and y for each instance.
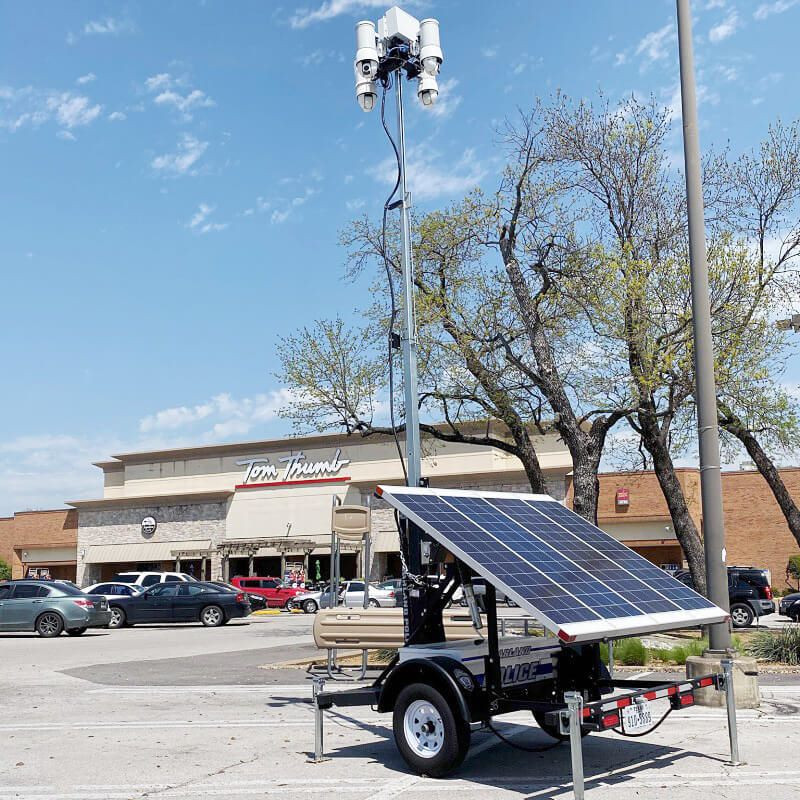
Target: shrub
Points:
(793, 569)
(783, 647)
(630, 652)
(5, 571)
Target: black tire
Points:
(447, 735)
(742, 615)
(212, 616)
(118, 618)
(49, 625)
(374, 604)
(310, 606)
(552, 730)
(76, 632)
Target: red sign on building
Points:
(622, 498)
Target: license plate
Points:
(637, 716)
(103, 605)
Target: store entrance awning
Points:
(141, 551)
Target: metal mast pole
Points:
(409, 340)
(708, 432)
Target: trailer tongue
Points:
(577, 581)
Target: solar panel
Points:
(572, 576)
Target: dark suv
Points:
(749, 593)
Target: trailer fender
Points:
(445, 674)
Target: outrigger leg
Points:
(570, 723)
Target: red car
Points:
(271, 589)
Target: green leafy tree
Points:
(5, 571)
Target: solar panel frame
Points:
(461, 518)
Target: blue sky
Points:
(175, 176)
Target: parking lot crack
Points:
(186, 784)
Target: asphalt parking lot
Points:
(186, 712)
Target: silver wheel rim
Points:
(740, 616)
(116, 618)
(423, 728)
(310, 607)
(212, 616)
(374, 603)
(49, 623)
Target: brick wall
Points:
(756, 532)
(755, 529)
(33, 529)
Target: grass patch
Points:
(779, 648)
(628, 652)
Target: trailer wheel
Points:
(552, 730)
(429, 731)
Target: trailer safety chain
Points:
(643, 733)
(519, 746)
(415, 579)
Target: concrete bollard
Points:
(745, 679)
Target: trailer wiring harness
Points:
(621, 732)
(506, 740)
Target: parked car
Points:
(479, 587)
(394, 585)
(789, 606)
(257, 602)
(273, 590)
(749, 593)
(151, 578)
(350, 592)
(50, 608)
(110, 590)
(181, 601)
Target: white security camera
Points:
(366, 65)
(430, 56)
(427, 89)
(430, 49)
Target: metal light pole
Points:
(409, 340)
(708, 432)
(401, 44)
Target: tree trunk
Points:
(731, 423)
(585, 487)
(685, 529)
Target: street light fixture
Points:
(401, 44)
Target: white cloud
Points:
(230, 416)
(200, 222)
(87, 78)
(66, 136)
(304, 17)
(27, 106)
(117, 116)
(190, 149)
(488, 52)
(287, 206)
(768, 9)
(108, 26)
(725, 28)
(620, 59)
(160, 81)
(184, 103)
(657, 45)
(354, 205)
(72, 110)
(447, 101)
(429, 174)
